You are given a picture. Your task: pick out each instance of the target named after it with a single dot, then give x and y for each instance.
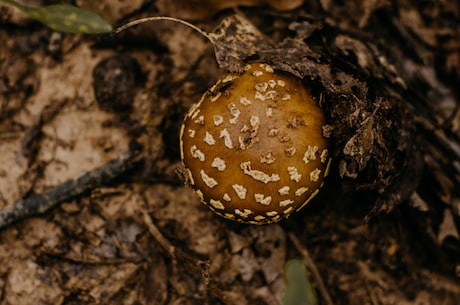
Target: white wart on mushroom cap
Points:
(253, 148)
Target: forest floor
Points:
(144, 238)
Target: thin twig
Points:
(164, 243)
(312, 267)
(158, 18)
(175, 253)
(42, 203)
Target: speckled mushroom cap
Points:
(253, 148)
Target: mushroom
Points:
(203, 9)
(252, 147)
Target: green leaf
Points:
(66, 18)
(298, 289)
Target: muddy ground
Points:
(143, 237)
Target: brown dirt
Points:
(144, 238)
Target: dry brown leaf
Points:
(447, 227)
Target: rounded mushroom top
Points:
(253, 148)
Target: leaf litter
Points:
(97, 250)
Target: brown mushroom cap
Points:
(253, 148)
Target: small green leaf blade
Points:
(70, 19)
(298, 289)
